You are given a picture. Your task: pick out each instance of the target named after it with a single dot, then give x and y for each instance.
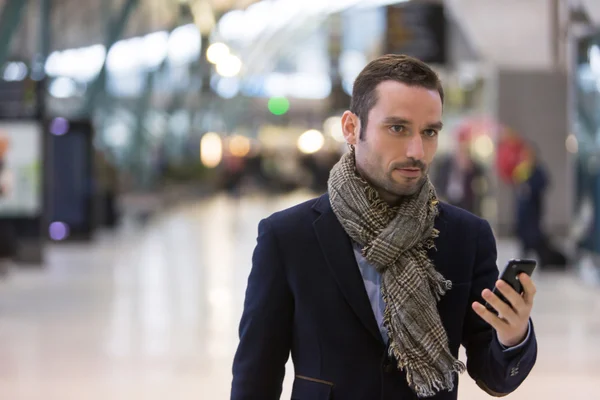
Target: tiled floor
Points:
(154, 315)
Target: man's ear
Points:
(351, 127)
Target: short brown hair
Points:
(391, 67)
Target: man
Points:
(459, 179)
(8, 245)
(374, 286)
(531, 182)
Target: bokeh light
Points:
(333, 128)
(211, 150)
(239, 146)
(483, 146)
(311, 141)
(229, 66)
(217, 52)
(572, 144)
(58, 231)
(59, 126)
(278, 105)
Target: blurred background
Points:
(141, 141)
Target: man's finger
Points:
(496, 322)
(528, 288)
(503, 309)
(515, 299)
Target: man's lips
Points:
(410, 172)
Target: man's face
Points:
(400, 139)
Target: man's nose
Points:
(415, 148)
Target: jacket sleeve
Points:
(498, 372)
(266, 324)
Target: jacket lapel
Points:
(337, 248)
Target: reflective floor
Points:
(154, 314)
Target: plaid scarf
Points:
(395, 241)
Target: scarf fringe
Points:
(428, 382)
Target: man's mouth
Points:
(410, 172)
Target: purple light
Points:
(58, 231)
(59, 126)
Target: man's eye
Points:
(397, 128)
(430, 133)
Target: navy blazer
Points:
(306, 295)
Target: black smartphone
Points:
(510, 275)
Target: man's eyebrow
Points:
(438, 126)
(403, 121)
(397, 121)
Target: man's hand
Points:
(512, 323)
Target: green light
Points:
(279, 105)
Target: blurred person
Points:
(7, 234)
(375, 285)
(234, 169)
(531, 183)
(318, 166)
(254, 172)
(460, 179)
(509, 154)
(108, 189)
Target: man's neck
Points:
(391, 199)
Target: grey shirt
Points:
(372, 281)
